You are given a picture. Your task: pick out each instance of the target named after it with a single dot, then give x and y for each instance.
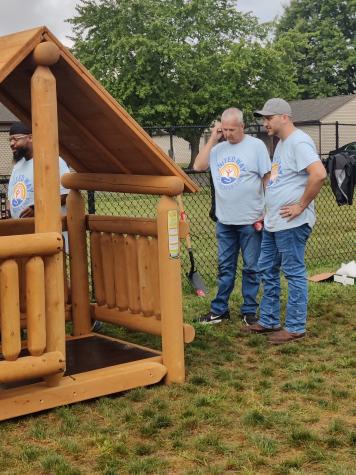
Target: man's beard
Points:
(19, 153)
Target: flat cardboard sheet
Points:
(324, 277)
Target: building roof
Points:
(96, 134)
(6, 116)
(316, 109)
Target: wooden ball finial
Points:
(46, 54)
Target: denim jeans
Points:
(284, 250)
(232, 238)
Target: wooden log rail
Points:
(10, 227)
(44, 244)
(128, 225)
(30, 367)
(141, 184)
(137, 322)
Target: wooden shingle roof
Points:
(96, 134)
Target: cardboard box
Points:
(343, 279)
(332, 277)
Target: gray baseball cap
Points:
(275, 106)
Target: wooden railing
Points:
(124, 257)
(23, 287)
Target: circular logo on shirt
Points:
(275, 172)
(19, 194)
(229, 173)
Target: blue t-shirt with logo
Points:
(288, 181)
(21, 189)
(237, 171)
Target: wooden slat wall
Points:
(125, 272)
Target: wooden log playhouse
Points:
(135, 262)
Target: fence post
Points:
(337, 134)
(171, 147)
(91, 202)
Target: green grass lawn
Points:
(246, 408)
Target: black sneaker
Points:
(97, 325)
(249, 318)
(211, 318)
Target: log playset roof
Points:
(96, 134)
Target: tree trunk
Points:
(194, 149)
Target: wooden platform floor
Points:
(90, 353)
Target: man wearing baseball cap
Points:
(296, 178)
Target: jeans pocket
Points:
(303, 233)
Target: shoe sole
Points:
(262, 332)
(213, 322)
(286, 341)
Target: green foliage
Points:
(319, 36)
(181, 61)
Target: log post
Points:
(120, 272)
(79, 264)
(47, 191)
(36, 313)
(170, 290)
(97, 268)
(107, 253)
(10, 310)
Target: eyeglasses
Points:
(15, 138)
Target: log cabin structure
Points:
(135, 261)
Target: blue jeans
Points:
(232, 238)
(284, 250)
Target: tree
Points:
(322, 33)
(178, 62)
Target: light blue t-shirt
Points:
(21, 189)
(288, 181)
(237, 171)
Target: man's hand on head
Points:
(216, 132)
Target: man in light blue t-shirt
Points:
(238, 167)
(296, 178)
(21, 195)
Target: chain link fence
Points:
(333, 239)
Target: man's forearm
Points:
(314, 185)
(202, 159)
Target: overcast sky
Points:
(17, 15)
